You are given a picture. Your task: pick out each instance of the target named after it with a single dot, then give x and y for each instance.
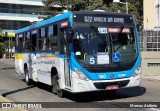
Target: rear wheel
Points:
(27, 79)
(56, 88)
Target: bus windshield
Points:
(97, 45)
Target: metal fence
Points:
(150, 40)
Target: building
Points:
(16, 14)
(150, 38)
(151, 17)
(148, 14)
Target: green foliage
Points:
(1, 31)
(2, 48)
(54, 7)
(135, 7)
(12, 44)
(4, 45)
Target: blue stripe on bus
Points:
(94, 76)
(46, 22)
(137, 37)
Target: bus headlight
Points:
(137, 71)
(81, 75)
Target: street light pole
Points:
(9, 47)
(127, 7)
(125, 3)
(67, 4)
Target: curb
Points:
(151, 79)
(7, 100)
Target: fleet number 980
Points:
(102, 76)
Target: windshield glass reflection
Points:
(96, 45)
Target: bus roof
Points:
(100, 12)
(65, 16)
(45, 22)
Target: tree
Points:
(135, 7)
(54, 7)
(1, 31)
(2, 48)
(73, 5)
(6, 47)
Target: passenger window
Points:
(55, 30)
(28, 40)
(34, 38)
(20, 42)
(42, 39)
(17, 42)
(50, 31)
(52, 39)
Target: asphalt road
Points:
(14, 88)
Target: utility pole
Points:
(9, 47)
(126, 3)
(67, 4)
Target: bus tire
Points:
(27, 79)
(55, 87)
(60, 93)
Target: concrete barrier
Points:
(150, 63)
(9, 62)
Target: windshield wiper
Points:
(96, 30)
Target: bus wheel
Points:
(56, 88)
(60, 93)
(27, 79)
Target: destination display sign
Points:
(102, 18)
(117, 30)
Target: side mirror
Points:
(70, 34)
(137, 27)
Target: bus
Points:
(80, 51)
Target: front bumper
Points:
(79, 85)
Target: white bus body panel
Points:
(40, 70)
(86, 86)
(39, 66)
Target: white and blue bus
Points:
(80, 52)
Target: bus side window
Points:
(16, 48)
(34, 38)
(24, 41)
(28, 41)
(52, 38)
(20, 42)
(42, 39)
(55, 30)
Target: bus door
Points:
(66, 59)
(32, 57)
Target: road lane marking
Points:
(4, 99)
(155, 109)
(18, 75)
(7, 100)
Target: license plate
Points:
(112, 87)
